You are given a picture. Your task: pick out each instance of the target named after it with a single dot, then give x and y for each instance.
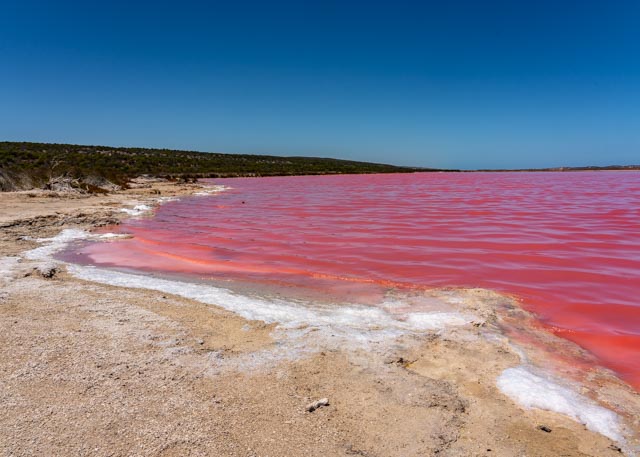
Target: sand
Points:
(92, 369)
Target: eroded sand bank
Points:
(92, 369)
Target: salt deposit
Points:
(136, 210)
(377, 323)
(54, 244)
(537, 391)
(7, 267)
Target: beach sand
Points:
(93, 369)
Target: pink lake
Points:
(567, 244)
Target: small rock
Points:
(393, 359)
(544, 428)
(47, 270)
(311, 407)
(400, 361)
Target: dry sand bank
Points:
(92, 369)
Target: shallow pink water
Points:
(568, 244)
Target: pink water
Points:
(567, 244)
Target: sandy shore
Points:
(92, 369)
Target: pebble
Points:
(311, 407)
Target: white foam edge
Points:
(137, 210)
(113, 236)
(543, 392)
(209, 190)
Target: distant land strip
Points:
(586, 168)
(26, 166)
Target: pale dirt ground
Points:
(90, 369)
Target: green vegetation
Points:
(24, 165)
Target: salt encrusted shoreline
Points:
(90, 368)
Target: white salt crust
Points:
(112, 236)
(285, 313)
(537, 391)
(137, 210)
(52, 245)
(7, 268)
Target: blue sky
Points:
(465, 84)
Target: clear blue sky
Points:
(465, 84)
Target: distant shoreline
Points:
(102, 169)
(562, 169)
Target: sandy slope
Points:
(91, 369)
